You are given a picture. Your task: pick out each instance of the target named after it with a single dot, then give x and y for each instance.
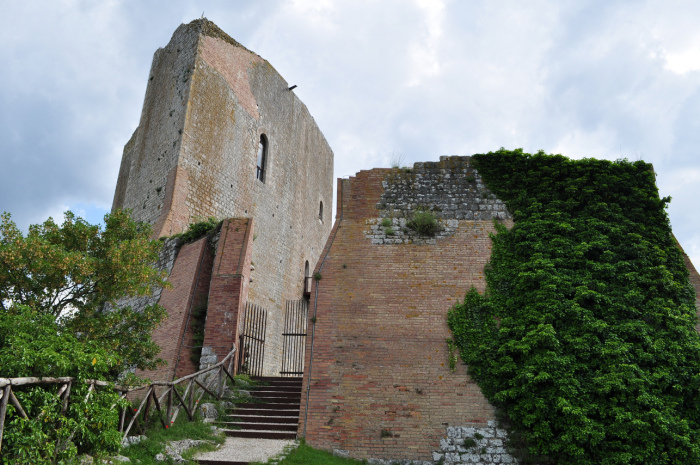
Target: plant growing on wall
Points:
(424, 222)
(585, 339)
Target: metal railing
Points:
(170, 395)
(252, 340)
(294, 337)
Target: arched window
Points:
(262, 158)
(320, 211)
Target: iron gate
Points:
(294, 337)
(252, 346)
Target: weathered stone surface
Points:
(380, 360)
(474, 444)
(131, 440)
(209, 412)
(194, 156)
(450, 189)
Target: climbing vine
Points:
(585, 339)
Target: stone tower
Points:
(222, 135)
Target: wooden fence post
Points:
(3, 410)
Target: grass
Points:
(306, 455)
(144, 452)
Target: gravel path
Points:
(248, 450)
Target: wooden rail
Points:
(174, 401)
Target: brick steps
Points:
(239, 418)
(221, 462)
(260, 434)
(274, 416)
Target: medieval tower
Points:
(222, 135)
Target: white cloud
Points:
(424, 47)
(422, 78)
(684, 61)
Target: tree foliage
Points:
(32, 344)
(72, 271)
(58, 290)
(585, 340)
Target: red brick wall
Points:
(230, 281)
(694, 281)
(185, 366)
(380, 358)
(177, 301)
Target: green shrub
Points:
(386, 222)
(585, 338)
(55, 284)
(31, 344)
(424, 222)
(469, 443)
(199, 229)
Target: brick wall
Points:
(185, 364)
(228, 291)
(380, 384)
(178, 303)
(694, 281)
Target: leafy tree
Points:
(58, 287)
(72, 271)
(32, 344)
(585, 340)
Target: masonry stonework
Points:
(378, 383)
(194, 156)
(378, 379)
(178, 300)
(229, 289)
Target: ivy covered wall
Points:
(585, 338)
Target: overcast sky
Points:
(418, 78)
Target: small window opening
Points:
(262, 158)
(320, 211)
(307, 280)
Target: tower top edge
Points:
(206, 27)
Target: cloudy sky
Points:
(384, 78)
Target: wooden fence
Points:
(189, 401)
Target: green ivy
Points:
(585, 339)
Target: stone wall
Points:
(379, 385)
(194, 155)
(166, 261)
(694, 281)
(450, 189)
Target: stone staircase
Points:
(273, 415)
